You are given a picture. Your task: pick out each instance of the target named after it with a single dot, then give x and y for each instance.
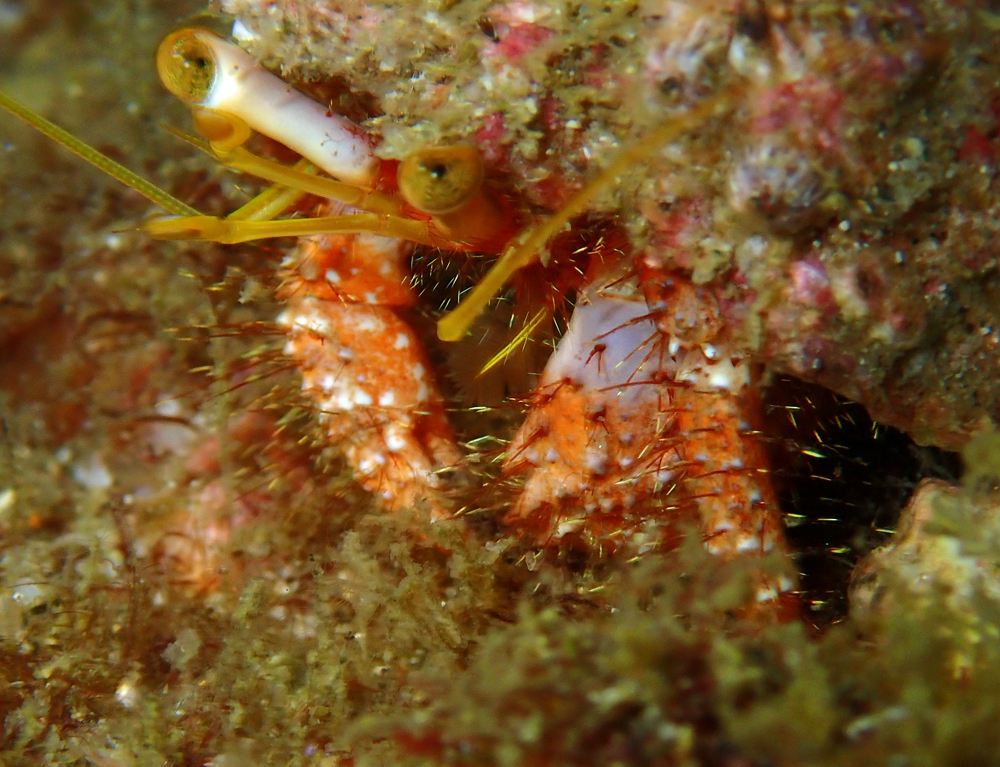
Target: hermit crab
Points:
(680, 205)
(642, 420)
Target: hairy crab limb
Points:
(643, 419)
(365, 368)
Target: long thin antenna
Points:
(99, 160)
(455, 324)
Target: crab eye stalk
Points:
(187, 66)
(232, 93)
(440, 180)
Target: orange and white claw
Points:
(367, 373)
(364, 367)
(594, 415)
(640, 424)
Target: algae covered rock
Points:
(942, 565)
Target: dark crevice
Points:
(842, 480)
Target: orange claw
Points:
(366, 371)
(365, 368)
(638, 425)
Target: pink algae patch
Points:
(811, 283)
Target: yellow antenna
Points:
(455, 324)
(100, 161)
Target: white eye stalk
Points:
(204, 70)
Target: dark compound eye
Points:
(186, 64)
(440, 180)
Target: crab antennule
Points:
(230, 232)
(454, 325)
(301, 176)
(276, 173)
(100, 161)
(205, 71)
(273, 201)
